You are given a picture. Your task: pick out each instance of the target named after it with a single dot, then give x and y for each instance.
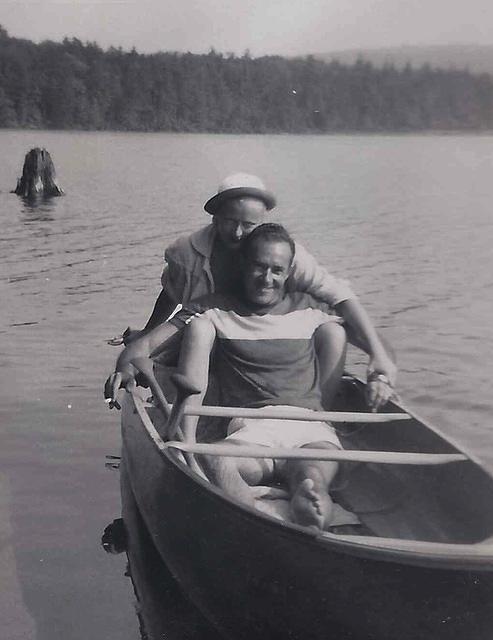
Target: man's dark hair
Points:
(269, 231)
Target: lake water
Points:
(408, 219)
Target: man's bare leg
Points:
(238, 477)
(330, 346)
(308, 482)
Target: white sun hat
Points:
(240, 185)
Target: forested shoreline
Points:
(75, 85)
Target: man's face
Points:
(237, 218)
(267, 267)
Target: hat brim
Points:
(213, 204)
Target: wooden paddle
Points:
(253, 451)
(185, 389)
(339, 455)
(293, 413)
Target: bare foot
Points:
(310, 507)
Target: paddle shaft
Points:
(293, 413)
(343, 455)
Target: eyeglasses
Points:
(231, 223)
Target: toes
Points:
(307, 484)
(310, 493)
(307, 487)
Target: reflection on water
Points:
(38, 208)
(162, 609)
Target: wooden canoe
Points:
(419, 566)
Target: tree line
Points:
(75, 85)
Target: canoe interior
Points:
(253, 577)
(448, 503)
(444, 503)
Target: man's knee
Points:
(320, 444)
(219, 469)
(324, 470)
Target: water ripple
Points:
(411, 228)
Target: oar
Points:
(293, 413)
(342, 455)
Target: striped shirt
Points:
(265, 359)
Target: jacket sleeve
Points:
(173, 278)
(309, 276)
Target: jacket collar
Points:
(203, 240)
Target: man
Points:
(207, 261)
(264, 354)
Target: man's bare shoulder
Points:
(303, 300)
(218, 301)
(203, 307)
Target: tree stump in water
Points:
(38, 175)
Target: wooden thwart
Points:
(253, 451)
(293, 413)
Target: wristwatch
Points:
(374, 376)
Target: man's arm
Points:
(309, 276)
(163, 341)
(173, 281)
(163, 308)
(365, 336)
(152, 343)
(196, 348)
(382, 370)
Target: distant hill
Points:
(474, 58)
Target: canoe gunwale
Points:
(419, 553)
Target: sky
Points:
(285, 27)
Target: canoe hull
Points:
(252, 577)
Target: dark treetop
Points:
(72, 85)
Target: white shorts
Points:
(281, 433)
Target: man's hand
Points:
(378, 393)
(140, 347)
(382, 371)
(120, 379)
(383, 365)
(381, 377)
(125, 374)
(128, 336)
